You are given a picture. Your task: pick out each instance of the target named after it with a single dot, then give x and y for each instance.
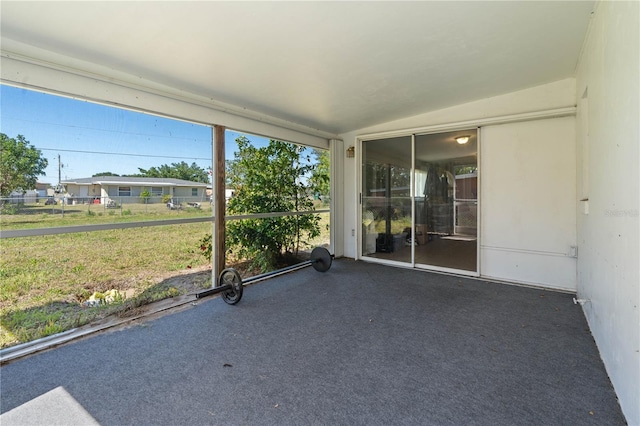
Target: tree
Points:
(180, 170)
(105, 174)
(266, 180)
(145, 195)
(320, 176)
(20, 164)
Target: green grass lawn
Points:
(45, 279)
(41, 216)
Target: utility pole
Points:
(59, 188)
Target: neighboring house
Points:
(101, 189)
(30, 196)
(228, 193)
(23, 197)
(41, 189)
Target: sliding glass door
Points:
(420, 200)
(386, 199)
(447, 200)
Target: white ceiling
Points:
(332, 66)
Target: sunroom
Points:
(492, 140)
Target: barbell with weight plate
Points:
(230, 283)
(320, 259)
(230, 279)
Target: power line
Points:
(73, 126)
(124, 154)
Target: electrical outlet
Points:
(353, 232)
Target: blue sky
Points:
(92, 138)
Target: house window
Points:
(156, 191)
(194, 192)
(124, 191)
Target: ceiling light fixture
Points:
(462, 139)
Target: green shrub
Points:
(268, 179)
(8, 208)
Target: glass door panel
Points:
(446, 201)
(386, 199)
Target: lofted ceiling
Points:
(332, 66)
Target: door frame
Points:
(360, 140)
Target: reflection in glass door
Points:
(446, 202)
(386, 199)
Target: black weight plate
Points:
(321, 259)
(231, 277)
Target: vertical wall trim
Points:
(358, 197)
(412, 195)
(479, 202)
(337, 154)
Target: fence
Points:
(113, 206)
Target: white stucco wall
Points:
(608, 232)
(528, 202)
(557, 94)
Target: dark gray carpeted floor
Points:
(360, 344)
